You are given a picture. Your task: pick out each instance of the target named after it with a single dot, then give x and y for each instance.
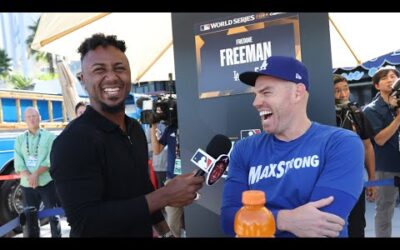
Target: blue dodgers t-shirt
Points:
(289, 172)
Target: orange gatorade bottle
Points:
(254, 219)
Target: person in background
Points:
(383, 114)
(351, 117)
(80, 108)
(139, 107)
(312, 174)
(160, 161)
(170, 138)
(100, 161)
(32, 162)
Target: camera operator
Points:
(170, 139)
(350, 116)
(160, 161)
(383, 114)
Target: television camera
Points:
(161, 109)
(348, 110)
(396, 92)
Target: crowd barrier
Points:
(385, 182)
(27, 218)
(27, 221)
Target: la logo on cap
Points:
(264, 65)
(298, 76)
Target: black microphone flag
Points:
(215, 160)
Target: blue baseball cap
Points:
(282, 67)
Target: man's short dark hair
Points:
(99, 39)
(382, 72)
(338, 78)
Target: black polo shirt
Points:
(101, 175)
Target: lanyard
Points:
(177, 146)
(37, 145)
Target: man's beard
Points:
(113, 109)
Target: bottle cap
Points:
(253, 197)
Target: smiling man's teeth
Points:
(263, 113)
(111, 89)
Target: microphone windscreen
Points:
(219, 144)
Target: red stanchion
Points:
(153, 177)
(9, 177)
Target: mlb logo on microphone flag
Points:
(202, 160)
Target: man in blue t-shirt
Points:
(312, 174)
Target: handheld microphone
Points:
(217, 149)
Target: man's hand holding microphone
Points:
(182, 189)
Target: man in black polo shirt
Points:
(349, 116)
(100, 161)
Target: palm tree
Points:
(4, 63)
(39, 56)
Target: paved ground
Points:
(369, 231)
(46, 233)
(370, 214)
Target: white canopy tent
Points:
(68, 88)
(355, 38)
(368, 35)
(148, 38)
